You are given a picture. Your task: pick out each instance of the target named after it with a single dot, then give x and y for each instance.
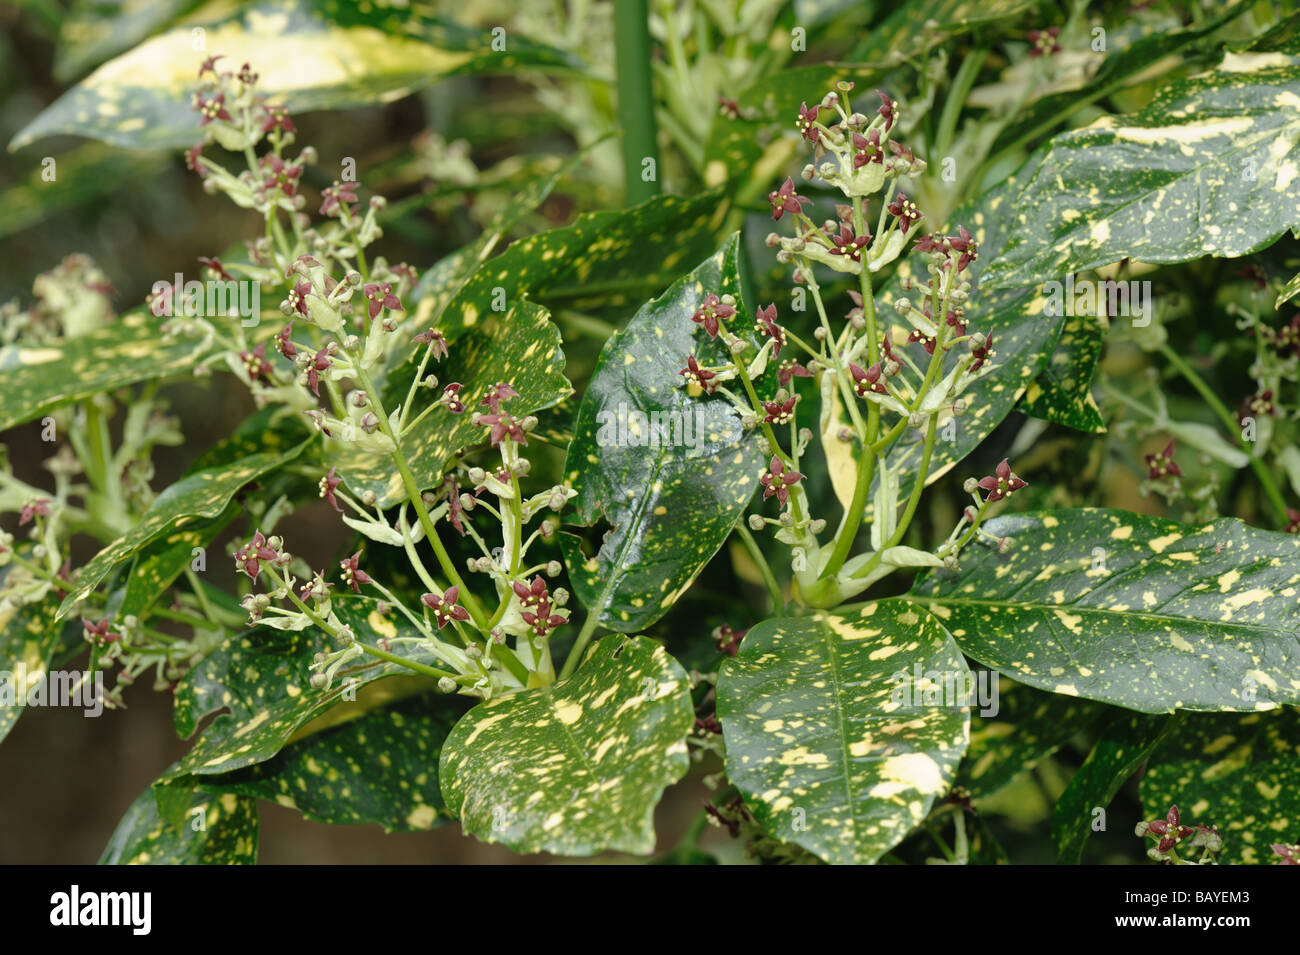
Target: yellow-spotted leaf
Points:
(162, 561)
(1289, 291)
(1210, 167)
(843, 728)
(261, 679)
(94, 30)
(195, 499)
(28, 638)
(40, 378)
(379, 768)
(1240, 774)
(1062, 393)
(1136, 611)
(309, 54)
(1125, 741)
(671, 472)
(520, 346)
(216, 829)
(577, 767)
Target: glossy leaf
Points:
(1062, 393)
(672, 495)
(95, 30)
(201, 496)
(159, 563)
(28, 638)
(40, 378)
(577, 767)
(263, 678)
(831, 736)
(380, 768)
(358, 55)
(1213, 159)
(913, 28)
(1240, 774)
(216, 830)
(1289, 291)
(1029, 726)
(1136, 611)
(1125, 741)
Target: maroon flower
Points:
(905, 155)
(255, 363)
(338, 197)
(728, 640)
(532, 594)
(353, 575)
(966, 245)
(277, 117)
(1044, 42)
(869, 379)
(98, 633)
(192, 160)
(807, 117)
(282, 344)
(791, 369)
(503, 425)
(31, 509)
(728, 108)
(445, 608)
(496, 394)
(1290, 854)
(215, 269)
(1162, 465)
(450, 398)
(888, 109)
(711, 312)
(867, 149)
(928, 342)
(1293, 521)
(785, 200)
(777, 481)
(982, 354)
(212, 107)
(542, 620)
(1287, 338)
(328, 485)
(1001, 483)
(766, 325)
(436, 339)
(701, 377)
(381, 297)
(248, 557)
(210, 65)
(846, 243)
(780, 412)
(1252, 406)
(279, 175)
(297, 297)
(905, 211)
(321, 362)
(454, 508)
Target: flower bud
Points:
(1005, 545)
(474, 651)
(446, 684)
(772, 241)
(756, 522)
(318, 681)
(818, 525)
(960, 407)
(553, 568)
(902, 306)
(498, 635)
(916, 420)
(950, 563)
(477, 475)
(970, 486)
(368, 498)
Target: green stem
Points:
(769, 579)
(636, 110)
(580, 645)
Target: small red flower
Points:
(1002, 482)
(1162, 465)
(711, 313)
(867, 149)
(888, 109)
(780, 412)
(1044, 42)
(777, 481)
(496, 394)
(37, 506)
(353, 575)
(982, 354)
(766, 325)
(785, 200)
(248, 557)
(277, 117)
(212, 107)
(807, 117)
(98, 633)
(1290, 854)
(696, 375)
(210, 65)
(255, 363)
(215, 269)
(321, 362)
(451, 398)
(867, 379)
(846, 243)
(1257, 405)
(905, 211)
(445, 608)
(503, 426)
(728, 640)
(328, 485)
(337, 197)
(282, 343)
(789, 370)
(437, 340)
(381, 297)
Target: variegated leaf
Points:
(28, 638)
(215, 830)
(842, 728)
(576, 767)
(1210, 167)
(1062, 393)
(1136, 611)
(1240, 774)
(162, 561)
(672, 473)
(309, 54)
(201, 496)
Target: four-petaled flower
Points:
(37, 506)
(1290, 854)
(215, 270)
(868, 379)
(192, 156)
(805, 122)
(846, 243)
(766, 325)
(248, 558)
(210, 65)
(982, 354)
(503, 426)
(212, 107)
(279, 175)
(777, 481)
(780, 412)
(321, 361)
(711, 312)
(1169, 829)
(451, 398)
(255, 362)
(531, 594)
(1292, 521)
(1043, 42)
(437, 342)
(381, 297)
(496, 394)
(296, 300)
(445, 609)
(905, 211)
(888, 109)
(698, 376)
(338, 196)
(98, 633)
(353, 575)
(785, 200)
(791, 369)
(277, 117)
(867, 149)
(1162, 465)
(1001, 482)
(328, 485)
(1287, 338)
(728, 640)
(282, 343)
(1256, 405)
(966, 245)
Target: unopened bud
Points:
(318, 681)
(473, 651)
(902, 306)
(447, 685)
(970, 486)
(756, 522)
(818, 525)
(477, 475)
(498, 635)
(1005, 545)
(553, 568)
(368, 498)
(916, 420)
(950, 563)
(960, 407)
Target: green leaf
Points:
(673, 500)
(1240, 774)
(1062, 393)
(310, 54)
(520, 347)
(160, 562)
(203, 496)
(913, 28)
(598, 256)
(1029, 726)
(832, 738)
(1282, 37)
(1125, 741)
(381, 767)
(217, 830)
(1213, 159)
(1136, 611)
(94, 30)
(41, 378)
(28, 638)
(577, 767)
(1289, 291)
(263, 678)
